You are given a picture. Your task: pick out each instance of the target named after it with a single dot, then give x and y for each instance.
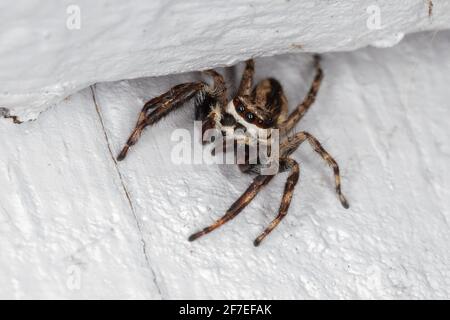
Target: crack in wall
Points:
(127, 194)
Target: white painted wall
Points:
(68, 229)
(44, 57)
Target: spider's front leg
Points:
(155, 109)
(161, 106)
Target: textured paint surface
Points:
(73, 223)
(44, 56)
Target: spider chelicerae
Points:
(261, 107)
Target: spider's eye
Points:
(249, 117)
(238, 105)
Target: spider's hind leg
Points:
(245, 86)
(292, 143)
(286, 199)
(303, 107)
(237, 206)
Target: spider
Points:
(263, 106)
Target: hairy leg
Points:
(161, 106)
(301, 109)
(292, 143)
(219, 87)
(237, 206)
(285, 200)
(155, 109)
(216, 99)
(245, 87)
(210, 107)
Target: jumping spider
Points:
(264, 106)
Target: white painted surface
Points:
(67, 229)
(44, 56)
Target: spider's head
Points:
(249, 114)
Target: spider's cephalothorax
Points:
(262, 107)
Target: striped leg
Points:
(219, 86)
(216, 99)
(301, 109)
(173, 99)
(161, 106)
(286, 199)
(237, 206)
(292, 143)
(245, 87)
